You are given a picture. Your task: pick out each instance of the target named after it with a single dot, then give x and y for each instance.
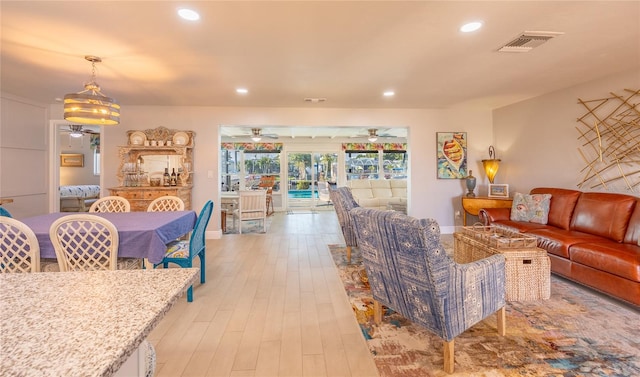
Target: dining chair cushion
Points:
(129, 263)
(178, 249)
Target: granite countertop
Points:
(82, 323)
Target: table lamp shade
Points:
(491, 168)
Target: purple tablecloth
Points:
(142, 234)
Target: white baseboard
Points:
(213, 234)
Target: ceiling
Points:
(284, 52)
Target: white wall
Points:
(537, 139)
(24, 156)
(428, 196)
(528, 136)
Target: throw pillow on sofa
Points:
(532, 208)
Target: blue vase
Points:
(471, 185)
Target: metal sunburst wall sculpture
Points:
(610, 142)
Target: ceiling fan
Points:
(77, 130)
(373, 135)
(257, 135)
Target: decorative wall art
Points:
(498, 190)
(609, 142)
(75, 160)
(451, 149)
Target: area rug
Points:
(574, 333)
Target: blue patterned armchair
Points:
(410, 272)
(343, 202)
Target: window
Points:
(362, 164)
(394, 164)
(257, 164)
(96, 161)
(367, 164)
(242, 169)
(230, 168)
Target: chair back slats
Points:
(166, 203)
(85, 243)
(252, 204)
(111, 204)
(197, 242)
(19, 248)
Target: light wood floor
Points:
(273, 305)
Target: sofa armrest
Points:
(489, 215)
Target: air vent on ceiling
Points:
(528, 40)
(314, 100)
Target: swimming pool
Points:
(301, 194)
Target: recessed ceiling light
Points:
(389, 93)
(471, 26)
(188, 14)
(242, 90)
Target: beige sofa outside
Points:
(380, 193)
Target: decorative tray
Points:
(499, 238)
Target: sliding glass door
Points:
(304, 171)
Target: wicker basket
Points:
(500, 238)
(527, 270)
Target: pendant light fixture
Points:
(90, 106)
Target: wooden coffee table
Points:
(527, 268)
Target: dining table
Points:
(141, 234)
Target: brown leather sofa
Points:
(591, 238)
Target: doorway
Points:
(308, 177)
(84, 140)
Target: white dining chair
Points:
(86, 242)
(166, 203)
(19, 248)
(111, 204)
(252, 205)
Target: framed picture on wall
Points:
(451, 151)
(498, 190)
(73, 160)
